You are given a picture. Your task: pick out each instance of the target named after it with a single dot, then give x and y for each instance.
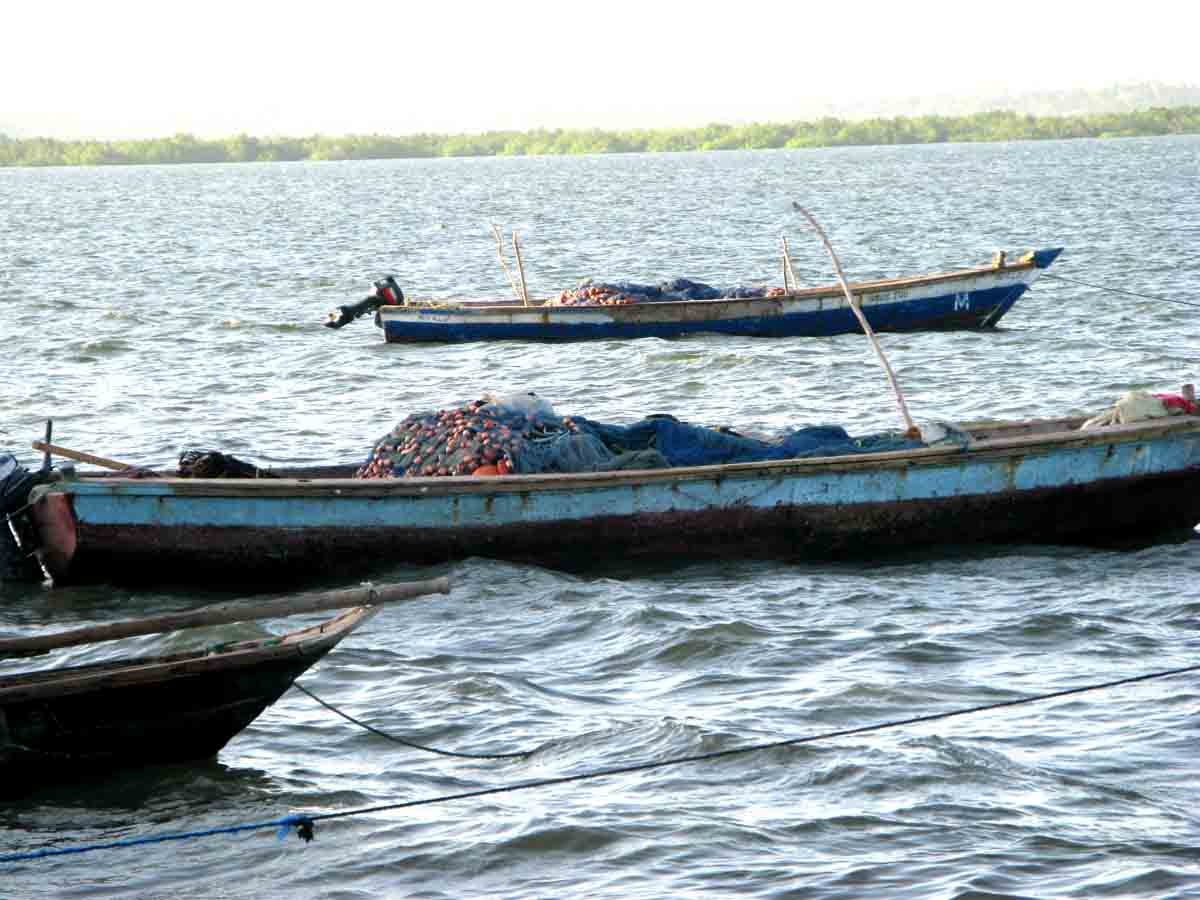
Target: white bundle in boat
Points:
(1134, 406)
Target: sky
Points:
(128, 68)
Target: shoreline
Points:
(995, 126)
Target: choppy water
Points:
(149, 310)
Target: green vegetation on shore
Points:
(827, 132)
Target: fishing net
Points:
(684, 444)
(485, 437)
(525, 435)
(214, 464)
(621, 293)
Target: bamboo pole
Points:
(787, 264)
(80, 456)
(520, 269)
(512, 283)
(225, 613)
(911, 429)
(786, 287)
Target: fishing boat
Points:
(969, 298)
(61, 722)
(1031, 481)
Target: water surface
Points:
(149, 310)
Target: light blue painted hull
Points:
(971, 298)
(1062, 486)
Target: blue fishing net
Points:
(488, 438)
(684, 444)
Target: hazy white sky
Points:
(117, 68)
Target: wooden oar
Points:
(80, 456)
(225, 613)
(911, 430)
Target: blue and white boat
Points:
(1023, 482)
(964, 299)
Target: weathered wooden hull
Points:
(59, 723)
(1024, 483)
(971, 298)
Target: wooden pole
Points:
(225, 613)
(520, 269)
(512, 283)
(786, 287)
(787, 264)
(80, 456)
(911, 430)
(46, 449)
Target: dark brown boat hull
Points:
(61, 723)
(118, 727)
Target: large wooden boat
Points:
(968, 298)
(1035, 481)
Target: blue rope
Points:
(283, 826)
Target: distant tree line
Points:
(997, 125)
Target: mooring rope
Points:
(304, 824)
(753, 748)
(1112, 290)
(371, 728)
(282, 827)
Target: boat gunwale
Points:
(859, 288)
(986, 448)
(315, 639)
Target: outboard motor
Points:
(387, 293)
(17, 540)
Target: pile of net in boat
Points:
(620, 293)
(524, 435)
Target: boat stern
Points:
(54, 524)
